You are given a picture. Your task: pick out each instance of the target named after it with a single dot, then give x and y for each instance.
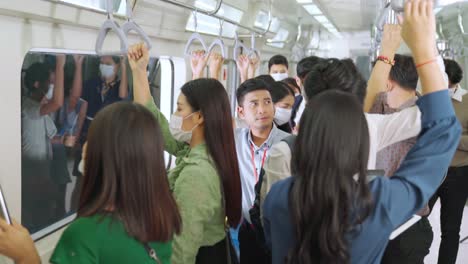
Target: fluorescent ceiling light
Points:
(100, 5)
(304, 1)
(449, 2)
(322, 19)
(312, 9)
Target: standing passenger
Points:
(327, 212)
(278, 67)
(454, 190)
(207, 173)
(283, 99)
(413, 245)
(126, 212)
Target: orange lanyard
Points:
(253, 161)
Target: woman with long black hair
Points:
(327, 212)
(200, 134)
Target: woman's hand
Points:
(138, 57)
(17, 244)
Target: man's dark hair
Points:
(250, 86)
(454, 71)
(278, 60)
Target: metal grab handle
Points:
(106, 27)
(398, 5)
(460, 21)
(130, 25)
(238, 45)
(195, 36)
(220, 43)
(380, 22)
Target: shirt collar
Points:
(458, 94)
(268, 143)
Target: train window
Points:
(119, 6)
(210, 25)
(60, 95)
(261, 21)
(280, 38)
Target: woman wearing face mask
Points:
(283, 98)
(102, 91)
(200, 136)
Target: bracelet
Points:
(424, 63)
(386, 60)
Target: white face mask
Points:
(81, 166)
(282, 115)
(50, 92)
(175, 127)
(279, 76)
(107, 71)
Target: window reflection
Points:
(61, 94)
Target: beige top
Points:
(461, 110)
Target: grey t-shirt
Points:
(36, 132)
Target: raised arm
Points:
(424, 167)
(243, 67)
(253, 66)
(138, 58)
(391, 41)
(123, 88)
(77, 86)
(57, 98)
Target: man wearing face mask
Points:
(278, 67)
(38, 129)
(102, 91)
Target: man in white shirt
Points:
(384, 130)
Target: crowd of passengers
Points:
(290, 176)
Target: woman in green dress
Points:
(200, 134)
(127, 213)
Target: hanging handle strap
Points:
(131, 25)
(107, 26)
(195, 37)
(220, 43)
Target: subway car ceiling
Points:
(295, 28)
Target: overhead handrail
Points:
(110, 25)
(440, 30)
(219, 41)
(253, 50)
(230, 21)
(238, 45)
(130, 25)
(398, 5)
(460, 21)
(299, 30)
(195, 37)
(380, 22)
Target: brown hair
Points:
(125, 174)
(219, 138)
